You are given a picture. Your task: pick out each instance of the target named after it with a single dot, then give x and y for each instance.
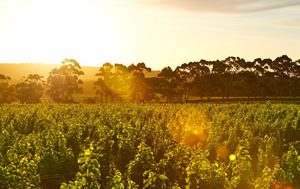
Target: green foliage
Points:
(203, 174)
(89, 175)
(240, 168)
(291, 166)
(143, 161)
(115, 180)
(154, 180)
(134, 146)
(266, 180)
(19, 166)
(22, 174)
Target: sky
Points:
(158, 32)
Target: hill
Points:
(18, 71)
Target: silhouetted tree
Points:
(154, 88)
(138, 86)
(235, 77)
(204, 86)
(31, 90)
(170, 82)
(188, 74)
(186, 78)
(102, 90)
(6, 91)
(281, 66)
(219, 67)
(4, 78)
(121, 82)
(63, 82)
(113, 82)
(103, 83)
(233, 64)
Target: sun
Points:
(51, 30)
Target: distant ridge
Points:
(18, 71)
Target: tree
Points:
(138, 81)
(196, 81)
(282, 66)
(234, 64)
(101, 85)
(170, 84)
(4, 78)
(31, 90)
(154, 88)
(187, 74)
(63, 82)
(112, 82)
(6, 91)
(219, 67)
(121, 81)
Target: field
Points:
(150, 146)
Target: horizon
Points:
(172, 66)
(158, 33)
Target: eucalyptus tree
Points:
(6, 91)
(64, 82)
(138, 85)
(31, 89)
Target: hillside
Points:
(18, 71)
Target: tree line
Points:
(232, 77)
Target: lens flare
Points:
(232, 157)
(197, 136)
(288, 187)
(223, 152)
(282, 185)
(189, 126)
(278, 185)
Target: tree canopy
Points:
(231, 77)
(31, 90)
(63, 82)
(5, 89)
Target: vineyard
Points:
(211, 146)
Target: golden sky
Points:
(158, 32)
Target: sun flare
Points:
(155, 32)
(52, 30)
(190, 127)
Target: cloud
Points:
(230, 6)
(295, 22)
